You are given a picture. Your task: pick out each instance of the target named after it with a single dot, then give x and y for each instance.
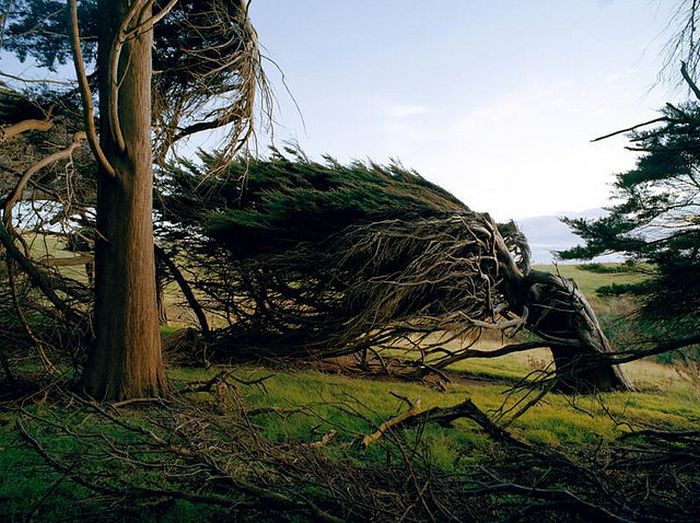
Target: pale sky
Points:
(495, 100)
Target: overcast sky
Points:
(495, 100)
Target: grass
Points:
(329, 400)
(588, 281)
(664, 399)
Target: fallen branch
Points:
(444, 416)
(390, 424)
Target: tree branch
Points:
(689, 80)
(11, 131)
(186, 290)
(86, 93)
(621, 131)
(15, 195)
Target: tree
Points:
(324, 259)
(198, 48)
(656, 220)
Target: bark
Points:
(126, 360)
(560, 314)
(11, 131)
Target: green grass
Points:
(329, 402)
(588, 281)
(554, 421)
(664, 399)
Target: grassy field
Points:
(327, 402)
(354, 406)
(589, 281)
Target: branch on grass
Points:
(391, 424)
(444, 416)
(223, 377)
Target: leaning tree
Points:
(161, 72)
(312, 259)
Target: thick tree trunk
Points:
(560, 314)
(126, 360)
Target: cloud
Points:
(406, 111)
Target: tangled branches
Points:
(372, 285)
(326, 260)
(179, 449)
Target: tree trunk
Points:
(560, 314)
(126, 360)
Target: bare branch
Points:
(689, 80)
(628, 129)
(14, 130)
(15, 195)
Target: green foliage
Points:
(40, 29)
(656, 220)
(268, 205)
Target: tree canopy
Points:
(320, 259)
(655, 220)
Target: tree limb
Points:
(15, 195)
(686, 76)
(186, 290)
(11, 131)
(86, 94)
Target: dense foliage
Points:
(656, 219)
(270, 204)
(295, 253)
(302, 258)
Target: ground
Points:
(666, 398)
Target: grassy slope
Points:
(589, 281)
(664, 400)
(667, 402)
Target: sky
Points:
(496, 101)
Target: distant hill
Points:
(547, 234)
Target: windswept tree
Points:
(161, 72)
(324, 259)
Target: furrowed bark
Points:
(126, 360)
(560, 314)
